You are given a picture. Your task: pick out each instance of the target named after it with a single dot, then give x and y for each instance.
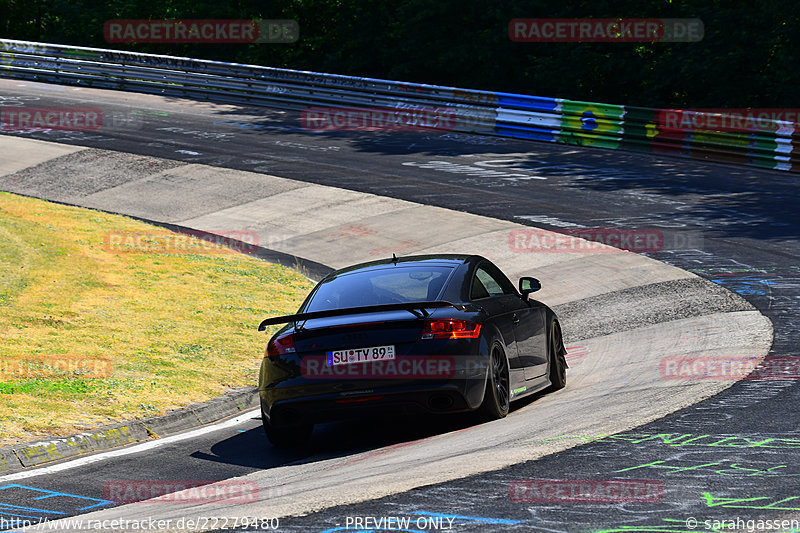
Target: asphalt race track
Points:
(731, 456)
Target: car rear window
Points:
(395, 284)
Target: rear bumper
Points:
(451, 380)
(409, 399)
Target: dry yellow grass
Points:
(93, 334)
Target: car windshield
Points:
(395, 284)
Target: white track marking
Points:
(136, 448)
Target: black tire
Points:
(556, 354)
(496, 398)
(288, 437)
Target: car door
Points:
(488, 292)
(531, 336)
(528, 320)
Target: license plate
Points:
(360, 355)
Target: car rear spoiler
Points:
(420, 309)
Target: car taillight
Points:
(281, 345)
(450, 329)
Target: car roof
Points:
(451, 260)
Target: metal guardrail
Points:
(773, 144)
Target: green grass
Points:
(91, 335)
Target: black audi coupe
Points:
(426, 333)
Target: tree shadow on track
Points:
(724, 199)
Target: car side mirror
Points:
(528, 285)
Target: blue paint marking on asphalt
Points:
(744, 286)
(16, 514)
(52, 494)
(470, 518)
(6, 509)
(5, 506)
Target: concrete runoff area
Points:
(30, 153)
(627, 311)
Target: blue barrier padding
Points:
(534, 103)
